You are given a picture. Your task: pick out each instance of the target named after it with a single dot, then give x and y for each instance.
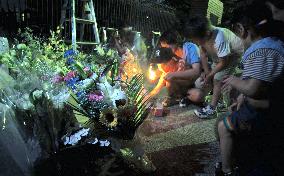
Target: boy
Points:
(263, 62)
(223, 47)
(180, 67)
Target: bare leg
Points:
(216, 93)
(226, 146)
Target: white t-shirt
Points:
(226, 43)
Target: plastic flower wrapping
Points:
(31, 115)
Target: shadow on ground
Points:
(186, 160)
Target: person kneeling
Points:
(180, 67)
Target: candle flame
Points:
(152, 74)
(134, 70)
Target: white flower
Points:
(86, 83)
(37, 94)
(94, 141)
(104, 143)
(75, 138)
(59, 99)
(112, 93)
(94, 76)
(118, 94)
(66, 140)
(104, 85)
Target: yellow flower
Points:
(108, 117)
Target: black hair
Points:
(277, 3)
(256, 17)
(171, 37)
(196, 27)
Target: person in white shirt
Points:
(220, 45)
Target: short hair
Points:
(171, 37)
(256, 16)
(196, 27)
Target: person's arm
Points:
(204, 60)
(191, 57)
(253, 88)
(223, 51)
(192, 73)
(223, 62)
(236, 105)
(121, 50)
(159, 86)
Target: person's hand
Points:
(207, 72)
(208, 79)
(202, 76)
(232, 107)
(117, 40)
(169, 76)
(237, 105)
(227, 83)
(150, 97)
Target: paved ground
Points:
(180, 143)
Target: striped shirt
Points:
(264, 60)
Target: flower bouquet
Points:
(112, 106)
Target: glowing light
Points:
(134, 70)
(152, 74)
(130, 67)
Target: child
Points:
(180, 67)
(129, 64)
(219, 44)
(263, 62)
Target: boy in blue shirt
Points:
(180, 68)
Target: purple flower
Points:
(95, 96)
(57, 79)
(70, 75)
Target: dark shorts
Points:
(179, 88)
(246, 119)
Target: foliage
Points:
(35, 54)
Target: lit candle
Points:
(152, 73)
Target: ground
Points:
(180, 143)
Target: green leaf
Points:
(80, 69)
